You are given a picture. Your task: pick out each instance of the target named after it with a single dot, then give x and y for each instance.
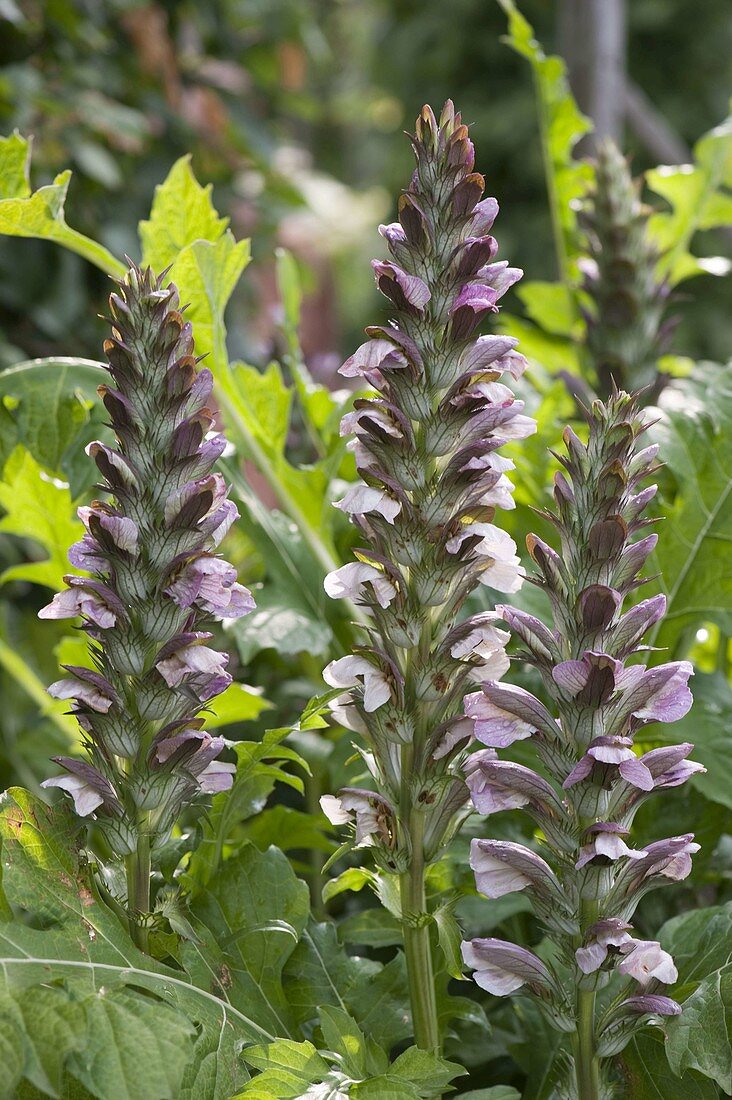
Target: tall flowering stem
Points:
(427, 449)
(152, 584)
(585, 877)
(626, 300)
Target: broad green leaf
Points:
(699, 197)
(206, 273)
(359, 1057)
(708, 725)
(384, 1088)
(55, 1026)
(288, 829)
(258, 769)
(694, 553)
(266, 404)
(700, 1037)
(700, 941)
(648, 1076)
(38, 507)
(550, 305)
(41, 213)
(276, 624)
(12, 1043)
(426, 1070)
(497, 1092)
(78, 945)
(53, 410)
(372, 928)
(125, 1032)
(182, 212)
(321, 972)
(254, 911)
(288, 1068)
(561, 126)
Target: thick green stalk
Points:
(138, 890)
(587, 1066)
(416, 929)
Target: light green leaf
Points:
(549, 305)
(694, 553)
(498, 1092)
(265, 405)
(239, 703)
(14, 165)
(700, 941)
(384, 1088)
(553, 352)
(38, 507)
(700, 1037)
(648, 1075)
(343, 1036)
(182, 212)
(206, 274)
(426, 1070)
(287, 1069)
(699, 197)
(41, 213)
(353, 878)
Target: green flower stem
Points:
(138, 888)
(587, 1066)
(416, 923)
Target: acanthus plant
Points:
(625, 299)
(584, 876)
(427, 449)
(153, 583)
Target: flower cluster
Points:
(626, 329)
(426, 446)
(152, 582)
(588, 878)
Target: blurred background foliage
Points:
(294, 110)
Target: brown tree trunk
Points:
(592, 39)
